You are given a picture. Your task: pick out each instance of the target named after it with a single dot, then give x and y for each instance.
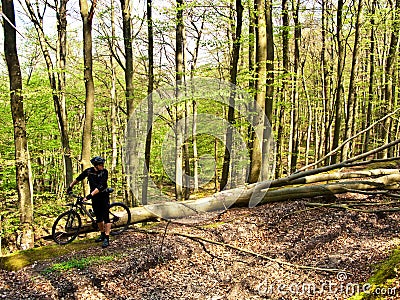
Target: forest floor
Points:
(182, 260)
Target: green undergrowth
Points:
(81, 263)
(382, 284)
(23, 258)
(213, 225)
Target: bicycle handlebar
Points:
(80, 198)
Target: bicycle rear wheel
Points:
(66, 227)
(120, 218)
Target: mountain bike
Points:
(68, 225)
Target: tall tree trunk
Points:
(233, 78)
(267, 168)
(87, 19)
(129, 93)
(325, 98)
(260, 72)
(62, 62)
(284, 93)
(127, 33)
(390, 75)
(351, 96)
(150, 88)
(194, 104)
(186, 129)
(57, 89)
(114, 102)
(371, 76)
(179, 66)
(294, 126)
(22, 160)
(252, 86)
(339, 83)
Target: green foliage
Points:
(383, 281)
(20, 259)
(81, 263)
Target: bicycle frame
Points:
(68, 224)
(80, 207)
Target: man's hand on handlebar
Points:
(69, 190)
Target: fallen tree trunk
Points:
(380, 179)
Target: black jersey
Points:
(97, 179)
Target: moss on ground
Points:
(23, 258)
(383, 282)
(81, 263)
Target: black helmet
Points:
(97, 160)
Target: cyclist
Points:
(97, 177)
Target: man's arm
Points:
(82, 176)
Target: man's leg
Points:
(107, 228)
(102, 233)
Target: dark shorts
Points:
(101, 205)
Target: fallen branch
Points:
(348, 140)
(277, 261)
(349, 207)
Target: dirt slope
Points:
(141, 265)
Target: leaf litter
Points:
(181, 263)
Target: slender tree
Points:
(233, 78)
(87, 15)
(179, 70)
(390, 74)
(62, 63)
(370, 75)
(195, 55)
(150, 88)
(114, 100)
(22, 160)
(351, 98)
(56, 79)
(339, 84)
(127, 33)
(126, 8)
(284, 89)
(269, 95)
(260, 73)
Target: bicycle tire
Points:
(66, 227)
(120, 218)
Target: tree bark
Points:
(199, 33)
(126, 8)
(371, 76)
(267, 170)
(22, 160)
(179, 70)
(284, 89)
(87, 19)
(339, 83)
(390, 75)
(233, 79)
(57, 89)
(127, 33)
(62, 62)
(260, 72)
(114, 103)
(294, 121)
(150, 87)
(351, 99)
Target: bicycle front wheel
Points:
(66, 227)
(120, 218)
